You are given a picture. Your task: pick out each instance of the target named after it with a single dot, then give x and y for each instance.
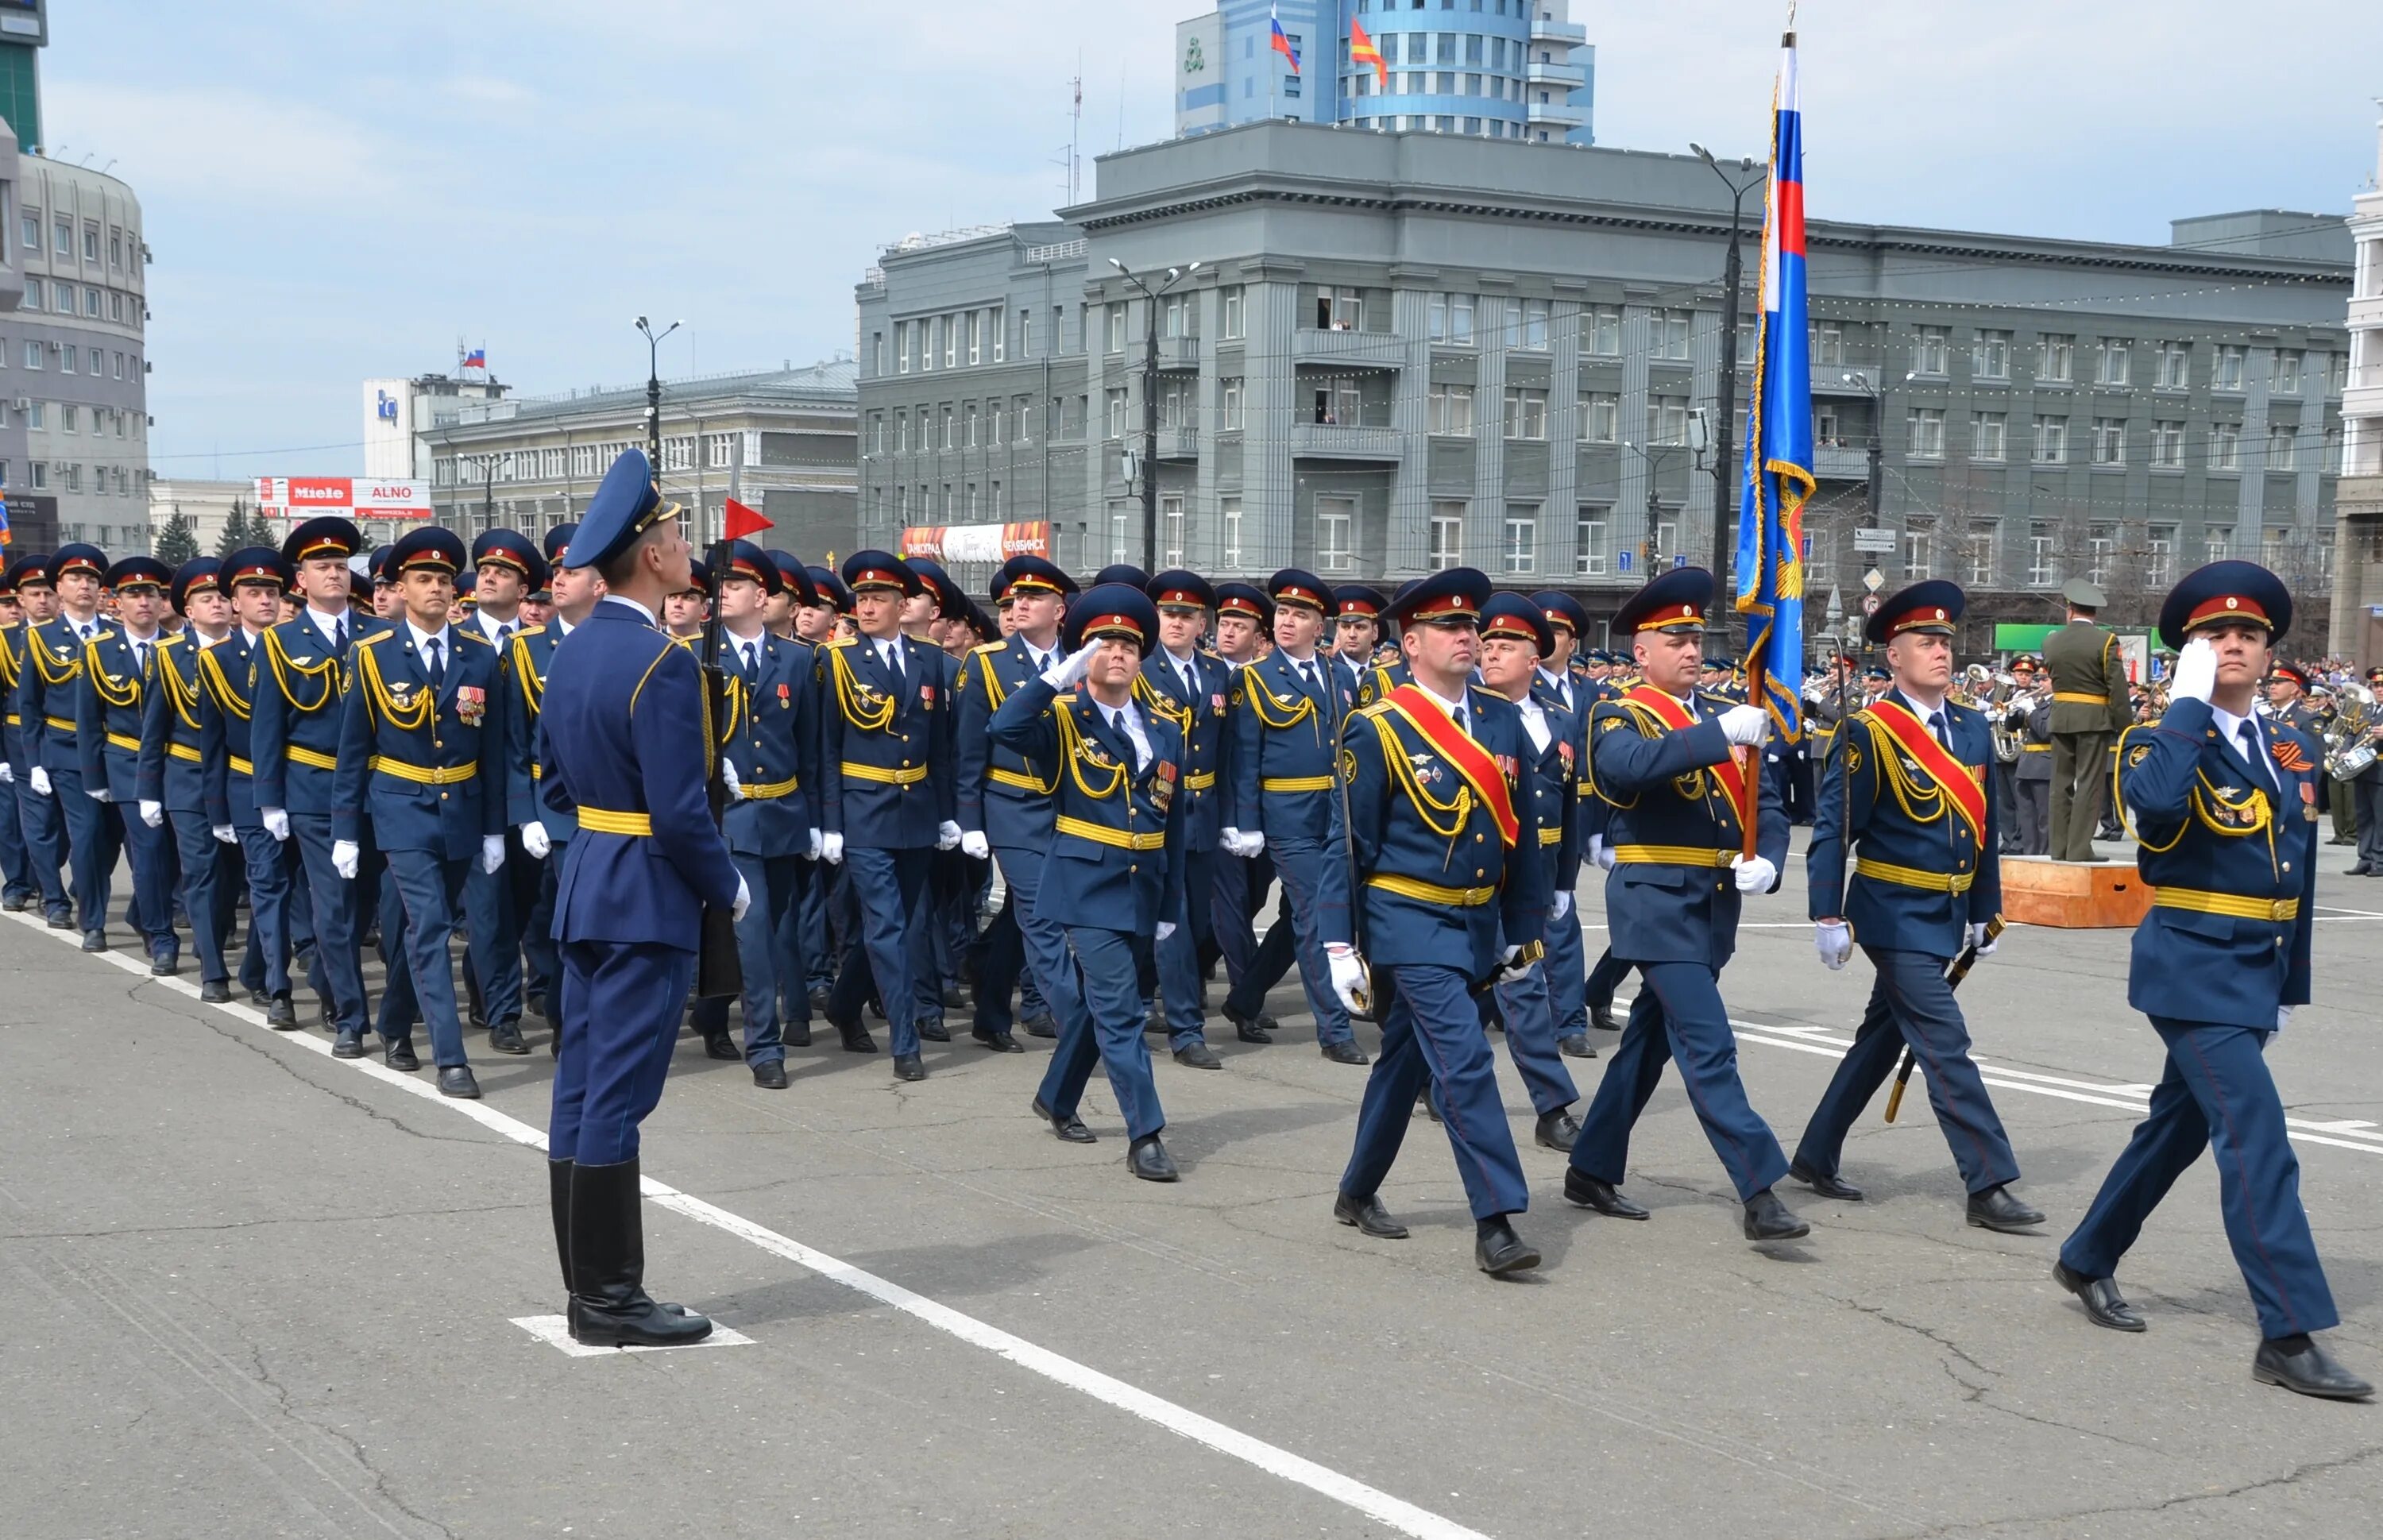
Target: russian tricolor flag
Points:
(476, 359)
(1281, 45)
(1778, 432)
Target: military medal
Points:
(471, 704)
(785, 697)
(927, 697)
(1162, 785)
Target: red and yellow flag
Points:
(1362, 51)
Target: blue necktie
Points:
(438, 665)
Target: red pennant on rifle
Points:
(743, 521)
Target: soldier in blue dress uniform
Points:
(1906, 806)
(1567, 959)
(542, 829)
(2226, 809)
(18, 887)
(625, 744)
(826, 913)
(1252, 965)
(934, 940)
(885, 775)
(255, 578)
(1286, 716)
(1356, 628)
(1116, 772)
(1194, 686)
(506, 568)
(1431, 767)
(48, 692)
(37, 812)
(119, 666)
(1665, 759)
(422, 755)
(170, 784)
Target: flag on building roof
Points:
(1778, 432)
(476, 359)
(1281, 45)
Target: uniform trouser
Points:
(150, 853)
(399, 1010)
(1433, 1034)
(45, 844)
(1566, 966)
(620, 1005)
(1678, 1015)
(95, 835)
(15, 860)
(1605, 978)
(495, 903)
(1301, 869)
(820, 942)
(2367, 793)
(1911, 1003)
(2034, 817)
(2080, 765)
(2007, 803)
(1040, 947)
(268, 911)
(302, 909)
(1802, 786)
(430, 887)
(2342, 803)
(2216, 1092)
(1178, 955)
(889, 886)
(774, 884)
(1238, 891)
(544, 963)
(338, 924)
(1103, 1022)
(1530, 1015)
(929, 955)
(208, 884)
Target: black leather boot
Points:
(558, 1197)
(610, 1307)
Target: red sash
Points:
(1729, 775)
(1429, 718)
(1960, 783)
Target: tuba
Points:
(2348, 751)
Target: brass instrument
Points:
(2349, 741)
(2011, 742)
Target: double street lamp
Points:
(654, 391)
(1150, 403)
(1724, 462)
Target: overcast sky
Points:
(339, 190)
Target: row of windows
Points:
(968, 425)
(2106, 442)
(1449, 123)
(58, 298)
(2170, 363)
(119, 249)
(43, 476)
(69, 359)
(1474, 48)
(105, 420)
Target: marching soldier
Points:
(421, 754)
(1244, 615)
(2227, 813)
(119, 668)
(48, 689)
(1196, 685)
(170, 784)
(1116, 772)
(1356, 628)
(1906, 794)
(2031, 720)
(256, 578)
(2089, 706)
(936, 942)
(825, 913)
(1287, 720)
(37, 812)
(18, 889)
(506, 566)
(1433, 766)
(1567, 960)
(1664, 757)
(886, 767)
(542, 829)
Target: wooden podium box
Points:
(2073, 895)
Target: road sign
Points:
(1679, 559)
(1872, 581)
(1874, 540)
(1869, 604)
(1622, 561)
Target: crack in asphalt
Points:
(273, 1220)
(2297, 1473)
(284, 1407)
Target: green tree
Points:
(236, 532)
(177, 542)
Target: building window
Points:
(66, 358)
(1522, 538)
(1829, 344)
(1749, 339)
(1990, 355)
(975, 336)
(1931, 350)
(63, 230)
(1526, 324)
(722, 448)
(2043, 563)
(1339, 402)
(1925, 427)
(1339, 310)
(1603, 330)
(949, 327)
(2290, 362)
(1916, 554)
(1235, 326)
(91, 308)
(69, 417)
(1228, 408)
(1176, 316)
(1120, 529)
(2112, 362)
(32, 229)
(2167, 446)
(2175, 365)
(1170, 524)
(1588, 550)
(1229, 513)
(1115, 314)
(2159, 557)
(2052, 440)
(2282, 441)
(1988, 432)
(1527, 413)
(33, 354)
(2220, 542)
(1986, 539)
(2109, 441)
(1601, 423)
(39, 471)
(2101, 541)
(996, 326)
(901, 347)
(91, 244)
(1116, 420)
(1336, 521)
(2058, 363)
(1449, 318)
(1450, 409)
(948, 441)
(1667, 420)
(1671, 339)
(116, 248)
(2227, 372)
(33, 300)
(1447, 547)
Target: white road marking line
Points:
(1394, 1512)
(555, 1332)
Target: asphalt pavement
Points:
(262, 1292)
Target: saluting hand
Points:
(2196, 671)
(1067, 673)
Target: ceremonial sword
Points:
(1955, 971)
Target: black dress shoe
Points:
(1069, 1128)
(1498, 1251)
(2300, 1363)
(1826, 1184)
(1769, 1219)
(907, 1067)
(1575, 1046)
(953, 999)
(1260, 1028)
(258, 997)
(2104, 1305)
(716, 1046)
(1198, 1055)
(1148, 1158)
(1995, 1209)
(1601, 1018)
(59, 919)
(819, 997)
(1557, 1130)
(933, 1030)
(474, 1020)
(770, 1075)
(281, 1016)
(2360, 869)
(1040, 1027)
(1424, 1105)
(95, 940)
(349, 1044)
(400, 1054)
(798, 1034)
(165, 965)
(505, 1037)
(1345, 1052)
(999, 1041)
(1593, 1193)
(855, 1038)
(1368, 1216)
(456, 1080)
(214, 992)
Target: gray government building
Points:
(1410, 350)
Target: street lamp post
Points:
(1725, 463)
(1647, 453)
(654, 392)
(1150, 404)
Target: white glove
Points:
(225, 832)
(536, 840)
(1069, 670)
(1755, 876)
(1347, 977)
(1511, 969)
(345, 856)
(832, 847)
(8, 773)
(728, 775)
(1833, 942)
(1166, 929)
(813, 853)
(492, 852)
(1745, 724)
(276, 821)
(1599, 851)
(153, 813)
(947, 835)
(2196, 671)
(1247, 846)
(1978, 939)
(744, 899)
(1563, 905)
(2283, 1017)
(974, 843)
(99, 793)
(40, 781)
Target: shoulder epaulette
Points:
(475, 634)
(528, 631)
(839, 641)
(376, 637)
(988, 646)
(1379, 709)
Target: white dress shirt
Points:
(643, 614)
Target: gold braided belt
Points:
(2080, 697)
(1913, 876)
(1431, 893)
(910, 777)
(2277, 910)
(1102, 834)
(602, 821)
(768, 791)
(1296, 783)
(311, 758)
(1671, 856)
(434, 775)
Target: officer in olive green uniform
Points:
(2089, 706)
